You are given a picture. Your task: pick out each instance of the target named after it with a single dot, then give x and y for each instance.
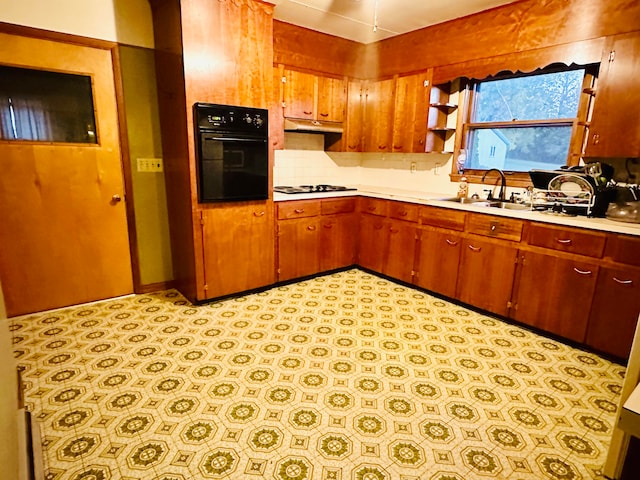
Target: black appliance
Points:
(312, 189)
(232, 152)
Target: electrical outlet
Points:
(437, 169)
(413, 167)
(150, 165)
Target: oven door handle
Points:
(235, 139)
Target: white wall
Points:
(124, 21)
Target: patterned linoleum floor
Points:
(343, 377)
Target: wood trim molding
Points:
(42, 34)
(155, 287)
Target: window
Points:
(45, 106)
(524, 122)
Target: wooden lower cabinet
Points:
(437, 261)
(237, 249)
(298, 246)
(338, 241)
(401, 248)
(486, 273)
(373, 241)
(554, 294)
(614, 311)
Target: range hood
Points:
(311, 126)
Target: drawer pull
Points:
(450, 242)
(623, 282)
(258, 214)
(311, 227)
(474, 249)
(494, 227)
(371, 209)
(382, 147)
(404, 213)
(328, 225)
(299, 210)
(563, 241)
(377, 227)
(582, 272)
(324, 114)
(307, 113)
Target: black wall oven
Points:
(232, 152)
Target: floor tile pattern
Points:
(342, 377)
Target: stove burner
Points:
(311, 189)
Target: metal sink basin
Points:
(478, 202)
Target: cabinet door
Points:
(373, 242)
(237, 249)
(332, 99)
(299, 94)
(554, 294)
(486, 273)
(615, 130)
(614, 312)
(338, 241)
(378, 117)
(401, 250)
(353, 141)
(438, 260)
(410, 114)
(298, 244)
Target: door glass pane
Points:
(519, 148)
(46, 106)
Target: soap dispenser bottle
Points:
(463, 188)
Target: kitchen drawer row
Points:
(576, 283)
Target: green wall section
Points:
(149, 197)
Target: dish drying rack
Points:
(542, 199)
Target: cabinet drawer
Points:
(373, 206)
(623, 249)
(403, 211)
(571, 240)
(497, 227)
(442, 217)
(339, 205)
(298, 209)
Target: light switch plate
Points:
(150, 165)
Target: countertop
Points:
(435, 199)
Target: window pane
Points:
(551, 95)
(46, 106)
(518, 148)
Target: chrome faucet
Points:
(503, 184)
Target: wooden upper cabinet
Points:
(332, 99)
(410, 113)
(615, 130)
(378, 116)
(299, 94)
(352, 137)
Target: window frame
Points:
(579, 124)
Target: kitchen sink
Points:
(478, 202)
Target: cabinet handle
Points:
(494, 226)
(307, 113)
(474, 249)
(623, 282)
(377, 227)
(311, 227)
(371, 209)
(258, 214)
(450, 242)
(324, 114)
(420, 142)
(328, 225)
(582, 272)
(299, 210)
(566, 241)
(403, 213)
(596, 139)
(382, 147)
(352, 147)
(397, 147)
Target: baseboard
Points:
(156, 287)
(30, 465)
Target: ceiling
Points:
(354, 19)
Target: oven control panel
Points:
(229, 118)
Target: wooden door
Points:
(614, 312)
(401, 251)
(299, 95)
(438, 260)
(373, 242)
(332, 99)
(338, 241)
(554, 294)
(353, 139)
(64, 237)
(298, 248)
(486, 273)
(378, 117)
(238, 250)
(410, 115)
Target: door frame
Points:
(125, 160)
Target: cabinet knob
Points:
(582, 272)
(116, 198)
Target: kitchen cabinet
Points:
(438, 259)
(352, 137)
(568, 240)
(554, 293)
(410, 113)
(237, 248)
(614, 311)
(378, 115)
(485, 274)
(401, 248)
(442, 117)
(338, 234)
(614, 130)
(373, 241)
(314, 97)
